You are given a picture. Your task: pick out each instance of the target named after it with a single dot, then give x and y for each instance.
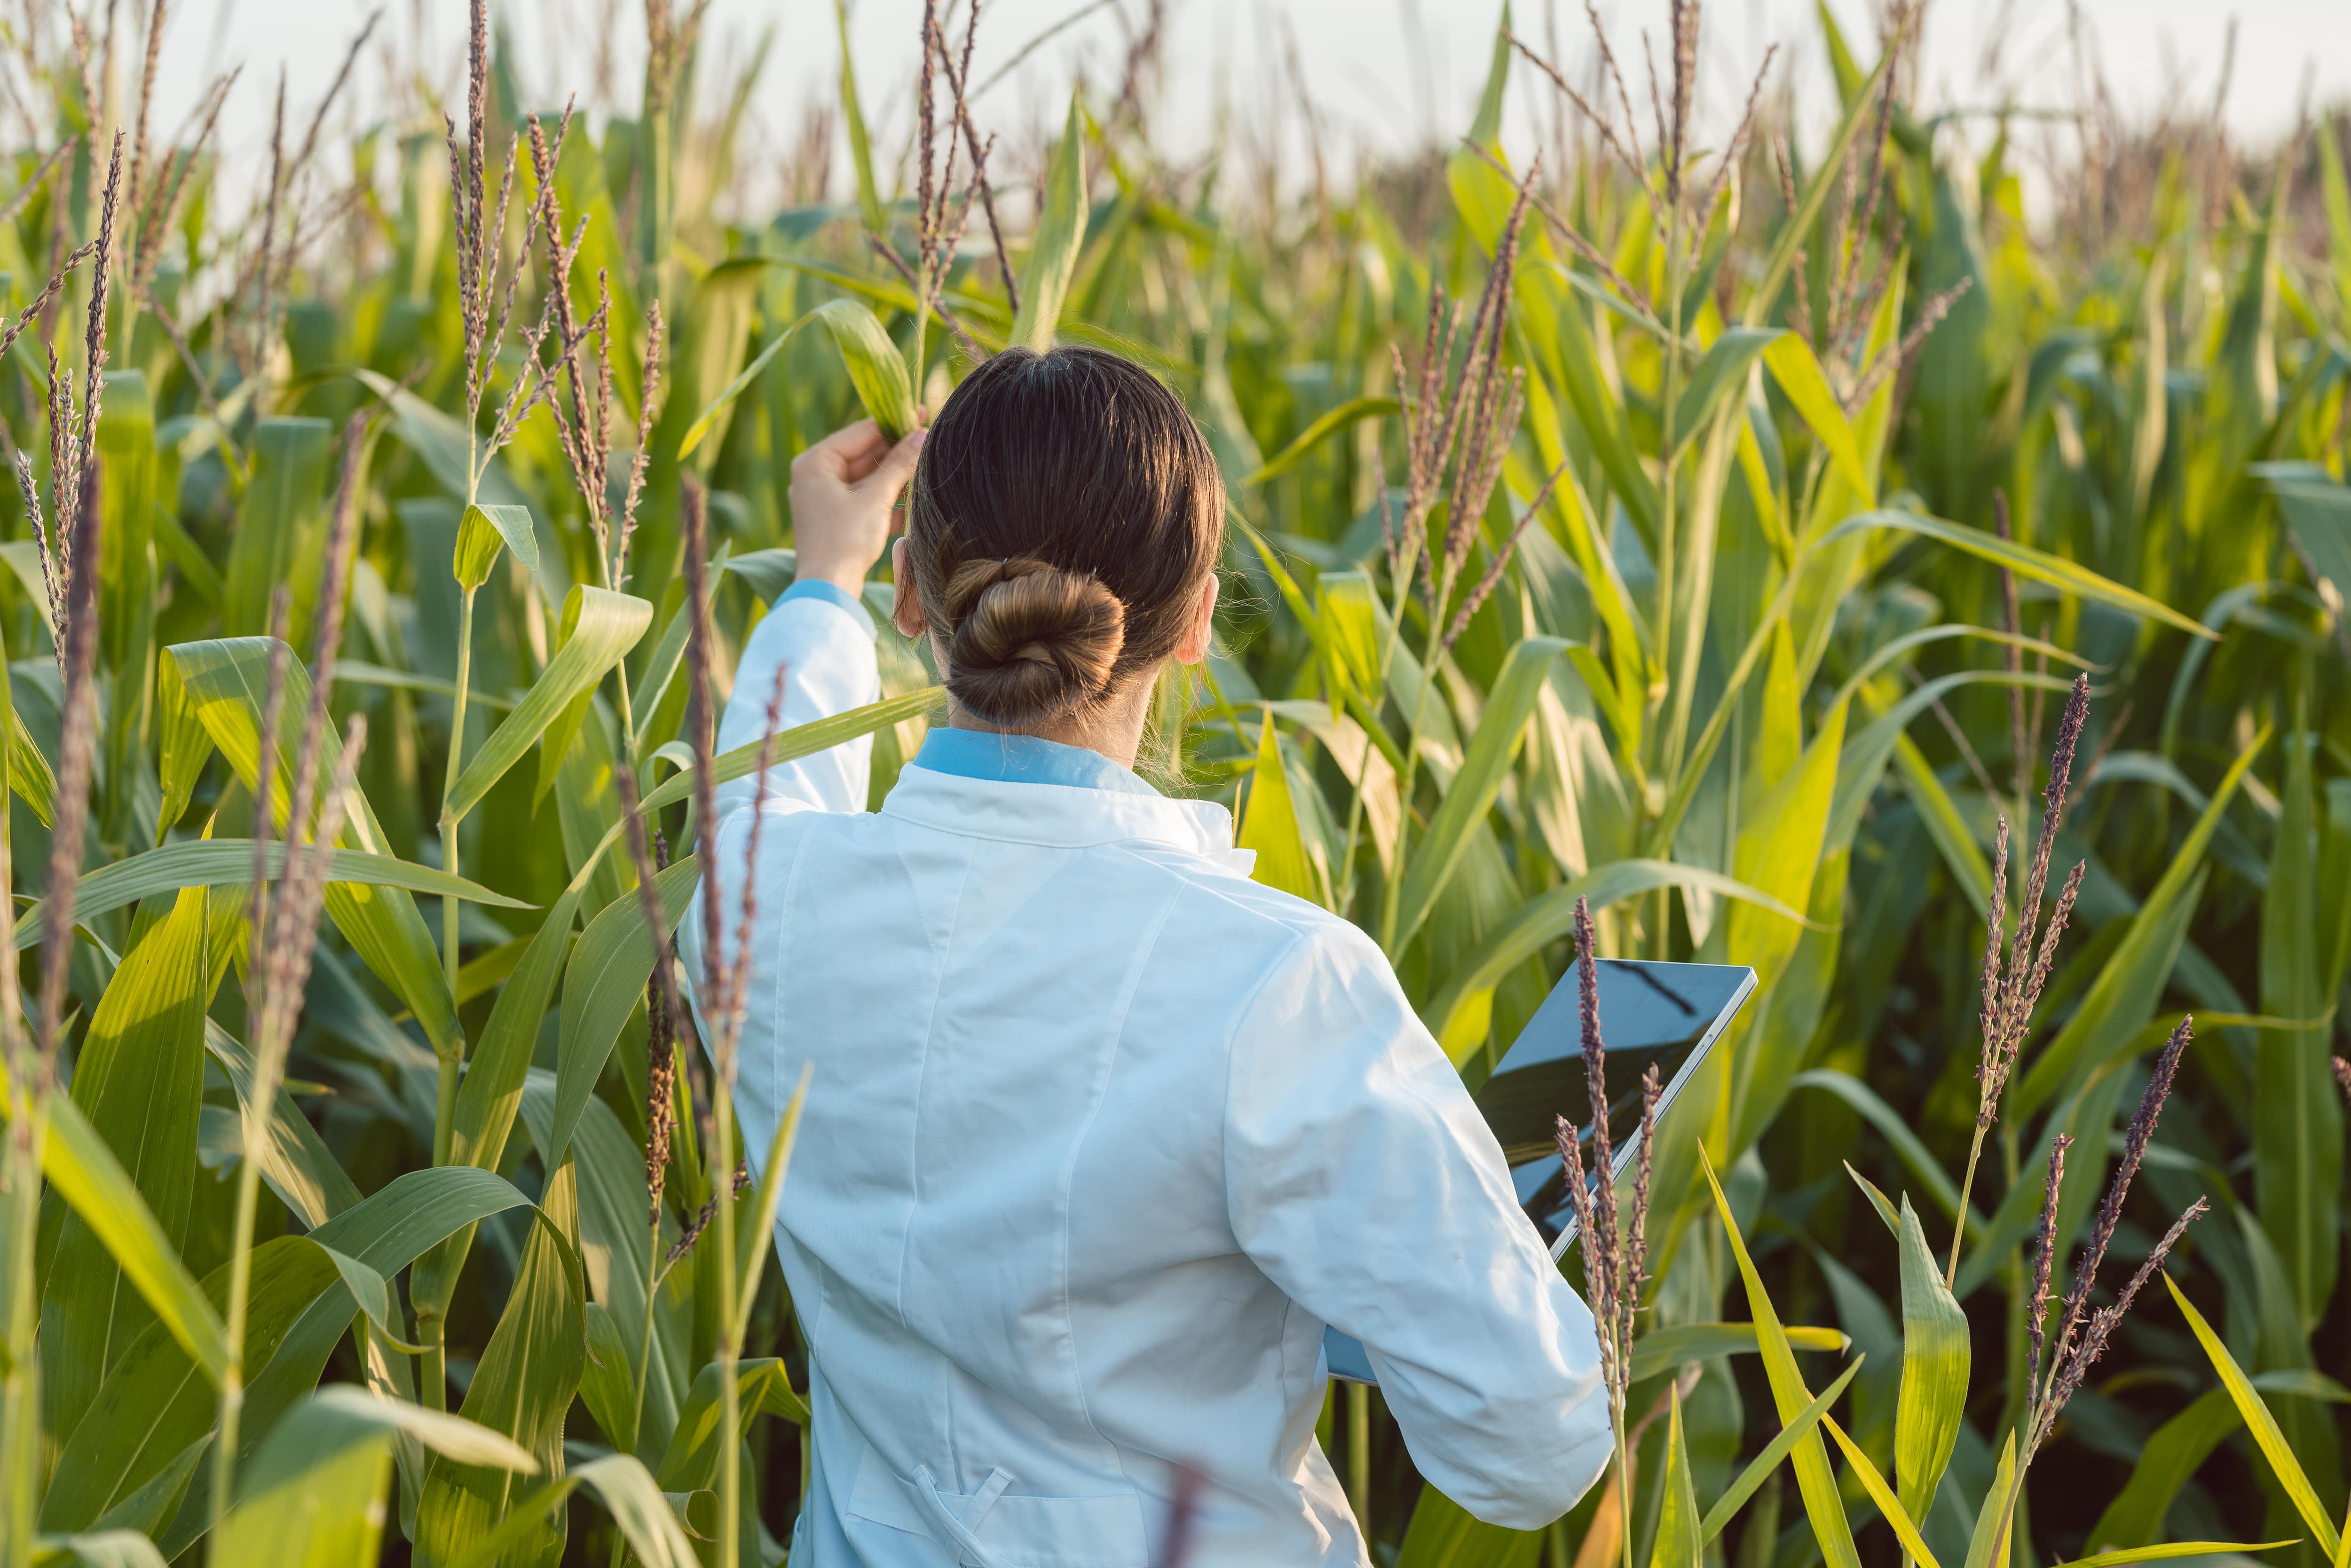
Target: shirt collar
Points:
(1026, 790)
(1024, 759)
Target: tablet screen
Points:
(1665, 1015)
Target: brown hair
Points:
(1064, 514)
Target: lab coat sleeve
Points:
(821, 639)
(1362, 1180)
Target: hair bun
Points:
(1032, 641)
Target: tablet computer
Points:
(1665, 1015)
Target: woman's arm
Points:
(1363, 1181)
(819, 637)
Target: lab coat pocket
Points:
(997, 1528)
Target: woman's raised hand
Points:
(843, 491)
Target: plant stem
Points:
(431, 1313)
(1431, 653)
(1959, 1221)
(730, 1441)
(1359, 1456)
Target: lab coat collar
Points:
(1063, 815)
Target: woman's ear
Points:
(907, 603)
(1193, 645)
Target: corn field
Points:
(1774, 552)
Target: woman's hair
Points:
(1064, 514)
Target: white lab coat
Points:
(1100, 1135)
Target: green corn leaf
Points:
(1354, 629)
(608, 1386)
(696, 432)
(2065, 576)
(228, 863)
(1912, 1544)
(1269, 825)
(2123, 997)
(875, 368)
(28, 771)
(2320, 516)
(1789, 360)
(1913, 1153)
(1661, 1350)
(1718, 376)
(487, 1099)
(139, 1079)
(295, 1161)
(1954, 840)
(228, 681)
(2297, 1132)
(526, 1379)
(184, 746)
(2167, 1459)
(1810, 1455)
(605, 984)
(601, 627)
(692, 1461)
(860, 145)
(627, 1491)
(99, 1548)
(1987, 1547)
(1500, 727)
(801, 740)
(616, 1242)
(1679, 1542)
(1796, 228)
(1543, 920)
(1936, 1356)
(282, 519)
(1759, 1469)
(1354, 410)
(374, 1297)
(1443, 1535)
(312, 1497)
(763, 1209)
(2173, 1549)
(86, 1173)
(480, 536)
(2290, 1478)
(1061, 234)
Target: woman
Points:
(1101, 1133)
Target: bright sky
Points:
(1380, 72)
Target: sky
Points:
(1383, 74)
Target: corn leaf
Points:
(1060, 235)
(2290, 1478)
(1509, 705)
(228, 863)
(1789, 360)
(604, 984)
(1680, 1543)
(228, 680)
(1443, 1535)
(1912, 1544)
(139, 1079)
(1354, 410)
(629, 1495)
(312, 1498)
(2123, 997)
(1936, 1356)
(603, 627)
(525, 1380)
(2065, 576)
(2173, 1549)
(860, 145)
(86, 1175)
(483, 532)
(1813, 1478)
(2297, 1132)
(769, 1194)
(1662, 1350)
(1719, 375)
(1759, 1469)
(1269, 825)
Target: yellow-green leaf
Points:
(482, 534)
(602, 626)
(1061, 234)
